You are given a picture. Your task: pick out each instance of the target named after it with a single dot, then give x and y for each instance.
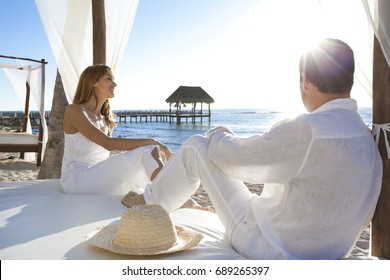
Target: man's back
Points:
(335, 191)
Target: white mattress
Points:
(39, 221)
(18, 138)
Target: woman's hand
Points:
(161, 154)
(165, 152)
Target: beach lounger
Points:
(21, 142)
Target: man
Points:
(321, 171)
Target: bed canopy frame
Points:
(25, 141)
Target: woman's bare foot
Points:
(194, 205)
(133, 198)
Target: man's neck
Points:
(322, 98)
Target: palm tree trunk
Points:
(52, 160)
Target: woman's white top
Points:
(88, 168)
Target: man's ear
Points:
(305, 81)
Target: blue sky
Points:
(244, 53)
(22, 36)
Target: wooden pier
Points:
(17, 119)
(162, 116)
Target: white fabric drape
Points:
(376, 131)
(17, 78)
(68, 27)
(379, 19)
(31, 73)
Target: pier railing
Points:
(16, 118)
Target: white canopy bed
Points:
(39, 221)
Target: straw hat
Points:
(144, 230)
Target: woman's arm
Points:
(76, 120)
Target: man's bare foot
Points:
(133, 198)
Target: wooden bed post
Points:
(381, 115)
(42, 113)
(25, 113)
(99, 32)
(26, 107)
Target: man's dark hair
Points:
(329, 66)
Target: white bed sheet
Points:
(39, 221)
(19, 138)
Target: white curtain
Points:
(68, 27)
(378, 14)
(17, 79)
(18, 75)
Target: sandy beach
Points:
(12, 168)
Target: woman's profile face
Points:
(105, 86)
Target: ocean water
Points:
(244, 123)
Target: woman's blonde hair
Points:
(85, 89)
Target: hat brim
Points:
(104, 238)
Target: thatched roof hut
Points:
(189, 95)
(186, 94)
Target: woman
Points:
(88, 167)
